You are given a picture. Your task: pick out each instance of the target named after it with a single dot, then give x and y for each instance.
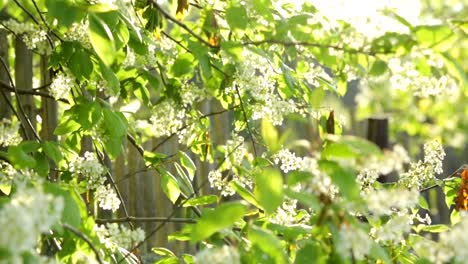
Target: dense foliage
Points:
(123, 73)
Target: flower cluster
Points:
(90, 169)
(61, 85)
(288, 213)
(234, 153)
(386, 202)
(394, 230)
(422, 172)
(79, 32)
(365, 179)
(289, 161)
(29, 213)
(353, 240)
(405, 76)
(320, 183)
(107, 198)
(33, 37)
(167, 119)
(451, 245)
(114, 236)
(9, 133)
(222, 255)
(257, 78)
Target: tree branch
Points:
(182, 25)
(145, 219)
(86, 239)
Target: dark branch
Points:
(146, 219)
(86, 239)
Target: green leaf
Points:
(378, 253)
(268, 243)
(236, 16)
(432, 35)
(183, 65)
(185, 183)
(110, 77)
(80, 64)
(64, 11)
(213, 220)
(52, 150)
(71, 211)
(379, 67)
(310, 253)
(101, 38)
(66, 127)
(202, 200)
(114, 122)
(269, 189)
(153, 158)
(304, 198)
(423, 203)
(435, 228)
(349, 147)
(42, 164)
(169, 185)
(270, 135)
(244, 193)
(163, 252)
(345, 180)
(296, 177)
(188, 164)
(19, 158)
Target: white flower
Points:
(393, 230)
(365, 179)
(61, 85)
(223, 255)
(29, 213)
(32, 35)
(9, 133)
(422, 172)
(384, 202)
(353, 240)
(289, 161)
(114, 235)
(90, 168)
(107, 198)
(167, 119)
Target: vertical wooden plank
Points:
(377, 131)
(23, 80)
(5, 111)
(48, 114)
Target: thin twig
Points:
(20, 106)
(244, 113)
(306, 44)
(182, 25)
(30, 92)
(145, 219)
(86, 239)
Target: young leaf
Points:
(213, 220)
(169, 185)
(269, 189)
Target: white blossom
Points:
(9, 133)
(222, 255)
(393, 230)
(386, 201)
(107, 198)
(29, 213)
(32, 35)
(113, 236)
(61, 85)
(422, 172)
(90, 168)
(353, 240)
(167, 119)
